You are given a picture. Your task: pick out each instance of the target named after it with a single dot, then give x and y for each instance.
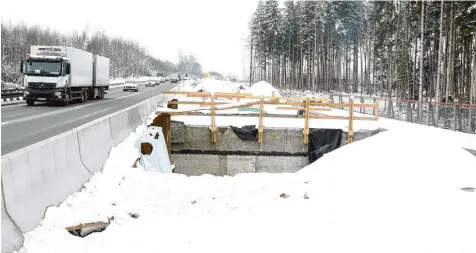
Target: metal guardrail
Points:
(12, 94)
(452, 116)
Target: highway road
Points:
(24, 125)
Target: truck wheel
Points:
(85, 95)
(66, 99)
(30, 102)
(101, 93)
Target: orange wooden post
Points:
(213, 127)
(350, 132)
(377, 105)
(261, 114)
(307, 113)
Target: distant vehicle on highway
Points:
(175, 77)
(64, 74)
(150, 83)
(131, 85)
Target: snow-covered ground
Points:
(399, 191)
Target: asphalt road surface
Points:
(24, 125)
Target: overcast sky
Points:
(211, 29)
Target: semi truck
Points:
(175, 77)
(64, 74)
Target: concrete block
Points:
(280, 164)
(144, 109)
(196, 165)
(199, 138)
(240, 164)
(45, 174)
(120, 127)
(95, 143)
(295, 141)
(222, 161)
(178, 131)
(134, 117)
(12, 238)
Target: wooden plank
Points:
(301, 108)
(350, 129)
(221, 95)
(365, 105)
(329, 117)
(195, 103)
(306, 121)
(213, 127)
(260, 126)
(365, 118)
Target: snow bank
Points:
(362, 197)
(213, 85)
(263, 88)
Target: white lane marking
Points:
(65, 110)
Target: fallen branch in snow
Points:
(83, 230)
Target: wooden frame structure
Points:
(304, 104)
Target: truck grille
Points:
(42, 85)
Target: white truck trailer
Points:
(64, 74)
(176, 77)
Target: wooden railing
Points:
(306, 105)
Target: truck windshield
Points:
(43, 68)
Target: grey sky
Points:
(211, 29)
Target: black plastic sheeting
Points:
(322, 141)
(246, 133)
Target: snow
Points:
(263, 88)
(370, 201)
(398, 191)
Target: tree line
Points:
(405, 49)
(128, 58)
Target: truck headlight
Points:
(26, 93)
(58, 93)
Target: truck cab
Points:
(45, 78)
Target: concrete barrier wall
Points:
(12, 237)
(120, 127)
(95, 142)
(46, 173)
(30, 183)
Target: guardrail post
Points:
(470, 117)
(362, 108)
(375, 101)
(238, 98)
(350, 130)
(307, 113)
(213, 127)
(454, 117)
(261, 114)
